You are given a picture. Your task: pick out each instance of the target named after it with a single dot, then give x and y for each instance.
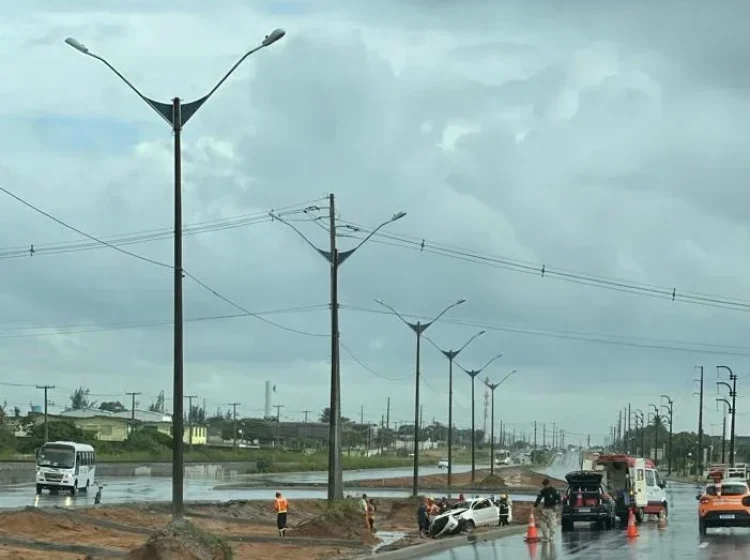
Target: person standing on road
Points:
(549, 498)
(363, 507)
(281, 507)
(422, 520)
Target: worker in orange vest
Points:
(281, 507)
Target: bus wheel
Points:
(38, 489)
(87, 487)
(74, 489)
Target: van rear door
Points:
(638, 481)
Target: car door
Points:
(660, 495)
(638, 478)
(651, 487)
(483, 513)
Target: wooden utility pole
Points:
(234, 406)
(46, 401)
(133, 395)
(190, 420)
(306, 412)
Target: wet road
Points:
(680, 541)
(157, 489)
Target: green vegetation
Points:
(147, 445)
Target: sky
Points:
(575, 170)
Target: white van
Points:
(65, 465)
(633, 481)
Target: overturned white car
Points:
(465, 516)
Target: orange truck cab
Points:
(633, 482)
(723, 503)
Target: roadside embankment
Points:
(144, 531)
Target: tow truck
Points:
(633, 482)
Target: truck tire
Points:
(38, 489)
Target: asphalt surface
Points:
(679, 541)
(119, 490)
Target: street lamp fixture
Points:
(335, 258)
(473, 373)
(492, 387)
(177, 114)
(418, 328)
(452, 355)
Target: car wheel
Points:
(38, 489)
(639, 515)
(469, 527)
(665, 509)
(702, 528)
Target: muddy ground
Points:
(508, 480)
(248, 526)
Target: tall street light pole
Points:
(177, 114)
(726, 408)
(418, 328)
(452, 355)
(656, 433)
(639, 414)
(492, 387)
(699, 458)
(335, 258)
(669, 407)
(733, 410)
(473, 374)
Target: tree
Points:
(158, 404)
(16, 412)
(79, 400)
(63, 430)
(325, 417)
(112, 406)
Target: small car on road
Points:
(724, 504)
(586, 500)
(443, 464)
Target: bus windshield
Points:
(60, 456)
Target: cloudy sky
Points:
(600, 142)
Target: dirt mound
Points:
(492, 481)
(182, 541)
(341, 521)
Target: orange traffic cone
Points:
(531, 534)
(632, 530)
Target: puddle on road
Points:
(388, 538)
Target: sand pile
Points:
(492, 481)
(182, 541)
(341, 521)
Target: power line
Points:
(155, 262)
(368, 368)
(149, 235)
(62, 330)
(515, 265)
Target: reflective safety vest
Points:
(281, 505)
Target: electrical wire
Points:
(366, 367)
(158, 263)
(515, 265)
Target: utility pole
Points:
(629, 436)
(534, 435)
(388, 415)
(619, 430)
(544, 436)
(362, 414)
(421, 417)
(132, 405)
(554, 436)
(670, 411)
(278, 408)
(306, 412)
(699, 458)
(335, 477)
(46, 401)
(733, 410)
(190, 420)
(234, 406)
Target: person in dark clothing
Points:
(422, 519)
(549, 498)
(504, 508)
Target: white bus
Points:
(65, 465)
